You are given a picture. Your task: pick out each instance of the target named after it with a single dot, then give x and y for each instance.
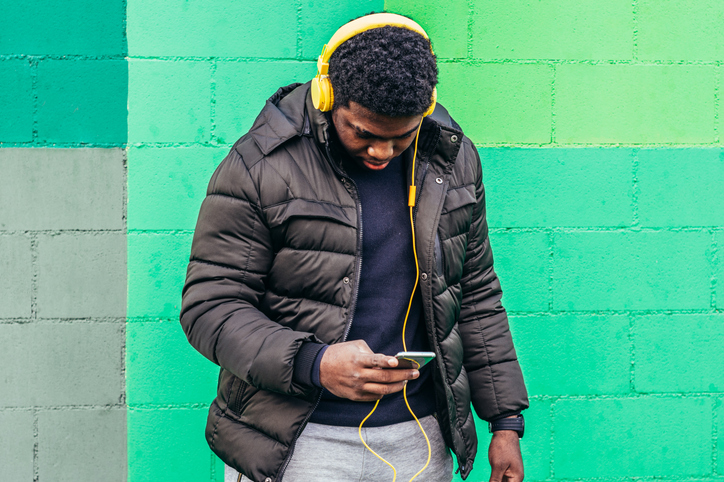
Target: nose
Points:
(381, 151)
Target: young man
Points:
(302, 270)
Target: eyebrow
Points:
(370, 135)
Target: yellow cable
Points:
(394, 476)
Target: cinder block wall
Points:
(63, 90)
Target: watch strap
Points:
(516, 424)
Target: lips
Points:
(375, 166)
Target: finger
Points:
(496, 474)
(378, 361)
(380, 389)
(388, 375)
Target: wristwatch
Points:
(516, 424)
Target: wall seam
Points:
(36, 447)
(34, 276)
(36, 103)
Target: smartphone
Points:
(414, 359)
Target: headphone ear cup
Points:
(322, 93)
(431, 109)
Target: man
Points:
(278, 295)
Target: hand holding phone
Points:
(414, 359)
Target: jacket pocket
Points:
(278, 214)
(237, 396)
(439, 262)
(459, 197)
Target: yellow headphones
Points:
(322, 94)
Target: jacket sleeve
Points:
(230, 256)
(496, 382)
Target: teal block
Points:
(558, 187)
(319, 19)
(681, 187)
(565, 29)
(214, 28)
(521, 262)
(169, 101)
(156, 273)
(166, 185)
(163, 368)
(242, 89)
(16, 100)
(498, 103)
(82, 101)
(639, 437)
(619, 103)
(168, 445)
(679, 353)
(75, 445)
(719, 410)
(631, 271)
(17, 445)
(73, 27)
(680, 30)
(16, 280)
(573, 354)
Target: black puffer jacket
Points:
(275, 262)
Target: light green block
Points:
(156, 273)
(679, 353)
(163, 368)
(169, 101)
(212, 28)
(521, 262)
(17, 277)
(16, 101)
(573, 354)
(168, 445)
(631, 271)
(632, 438)
(16, 451)
(166, 185)
(446, 23)
(681, 187)
(242, 89)
(564, 29)
(680, 30)
(634, 103)
(498, 103)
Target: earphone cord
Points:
(411, 204)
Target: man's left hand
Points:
(504, 456)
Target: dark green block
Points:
(573, 354)
(82, 101)
(521, 262)
(76, 27)
(679, 353)
(16, 445)
(632, 437)
(16, 100)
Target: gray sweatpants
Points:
(336, 454)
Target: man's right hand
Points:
(351, 370)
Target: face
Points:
(371, 139)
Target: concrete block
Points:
(15, 277)
(78, 445)
(242, 89)
(213, 28)
(16, 100)
(568, 29)
(74, 27)
(82, 101)
(558, 187)
(608, 103)
(156, 273)
(61, 189)
(632, 437)
(169, 101)
(631, 271)
(521, 262)
(573, 354)
(719, 410)
(166, 185)
(499, 102)
(163, 368)
(680, 30)
(16, 445)
(60, 364)
(163, 438)
(82, 275)
(681, 187)
(446, 23)
(679, 353)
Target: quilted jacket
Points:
(275, 260)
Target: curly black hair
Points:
(389, 70)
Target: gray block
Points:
(61, 189)
(15, 276)
(81, 275)
(16, 446)
(46, 364)
(82, 445)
